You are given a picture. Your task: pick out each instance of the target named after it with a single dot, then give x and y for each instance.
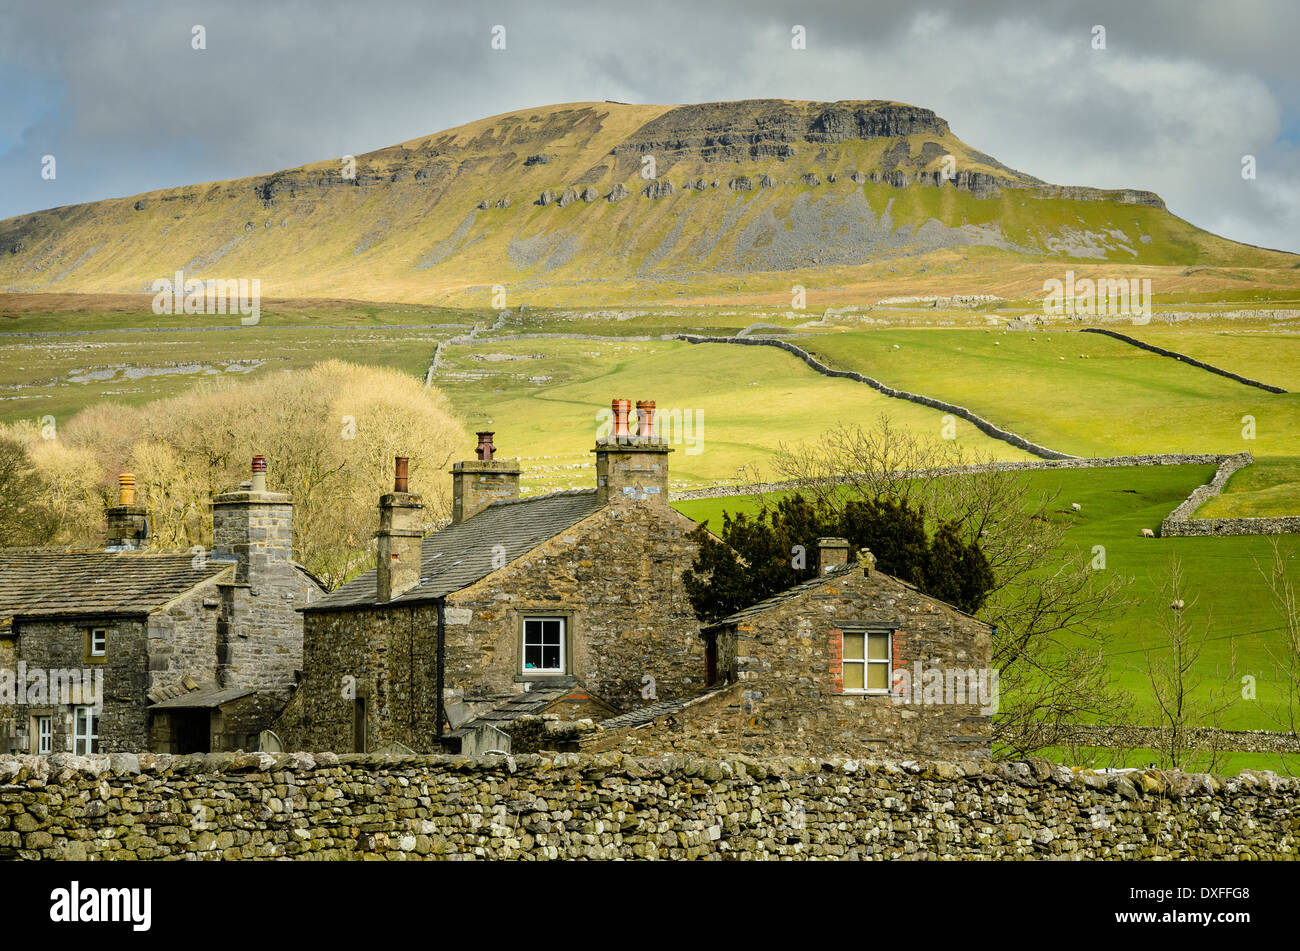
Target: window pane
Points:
(853, 646)
(543, 644)
(877, 676)
(879, 646)
(853, 676)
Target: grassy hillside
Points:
(747, 198)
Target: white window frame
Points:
(866, 662)
(85, 731)
(523, 646)
(100, 635)
(43, 734)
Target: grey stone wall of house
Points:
(182, 639)
(616, 578)
(8, 716)
(259, 633)
(791, 698)
(378, 663)
(611, 806)
(50, 645)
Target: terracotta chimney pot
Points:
(126, 489)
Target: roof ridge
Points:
(538, 498)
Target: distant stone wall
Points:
(1197, 738)
(1184, 358)
(979, 422)
(1104, 462)
(259, 806)
(1182, 521)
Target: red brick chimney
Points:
(477, 483)
(397, 567)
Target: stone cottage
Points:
(852, 663)
(131, 649)
(569, 604)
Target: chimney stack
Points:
(253, 528)
(397, 569)
(632, 468)
(479, 482)
(831, 553)
(128, 523)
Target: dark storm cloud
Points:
(1182, 91)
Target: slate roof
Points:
(534, 701)
(206, 696)
(838, 571)
(44, 582)
(643, 715)
(462, 553)
(789, 594)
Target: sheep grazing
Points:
(1076, 506)
(1147, 533)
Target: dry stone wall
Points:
(578, 806)
(1182, 521)
(979, 422)
(1184, 358)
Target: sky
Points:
(1182, 92)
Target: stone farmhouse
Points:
(132, 649)
(560, 621)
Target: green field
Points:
(1269, 487)
(1220, 572)
(1270, 355)
(1083, 394)
(541, 398)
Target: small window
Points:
(44, 735)
(866, 662)
(543, 645)
(85, 731)
(98, 642)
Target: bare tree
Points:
(1277, 575)
(329, 434)
(1191, 719)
